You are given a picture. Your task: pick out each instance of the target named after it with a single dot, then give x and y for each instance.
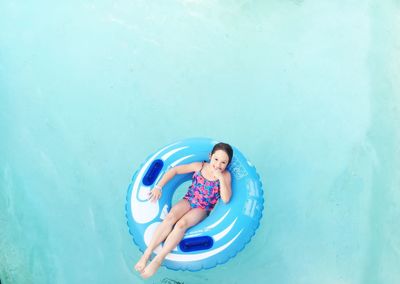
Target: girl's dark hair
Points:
(224, 147)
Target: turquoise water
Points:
(307, 90)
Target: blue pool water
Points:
(307, 90)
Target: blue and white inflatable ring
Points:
(217, 238)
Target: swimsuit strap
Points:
(201, 174)
(202, 166)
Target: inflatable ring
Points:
(217, 238)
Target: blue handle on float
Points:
(153, 172)
(196, 243)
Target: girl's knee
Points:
(171, 218)
(182, 224)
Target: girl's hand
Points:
(155, 194)
(218, 174)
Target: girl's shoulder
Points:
(197, 166)
(227, 174)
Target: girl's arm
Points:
(225, 186)
(155, 193)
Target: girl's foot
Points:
(150, 269)
(141, 264)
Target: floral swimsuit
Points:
(203, 193)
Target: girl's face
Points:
(219, 160)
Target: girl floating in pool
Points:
(210, 182)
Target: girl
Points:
(210, 182)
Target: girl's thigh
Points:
(180, 209)
(193, 217)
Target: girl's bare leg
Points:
(162, 231)
(191, 218)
